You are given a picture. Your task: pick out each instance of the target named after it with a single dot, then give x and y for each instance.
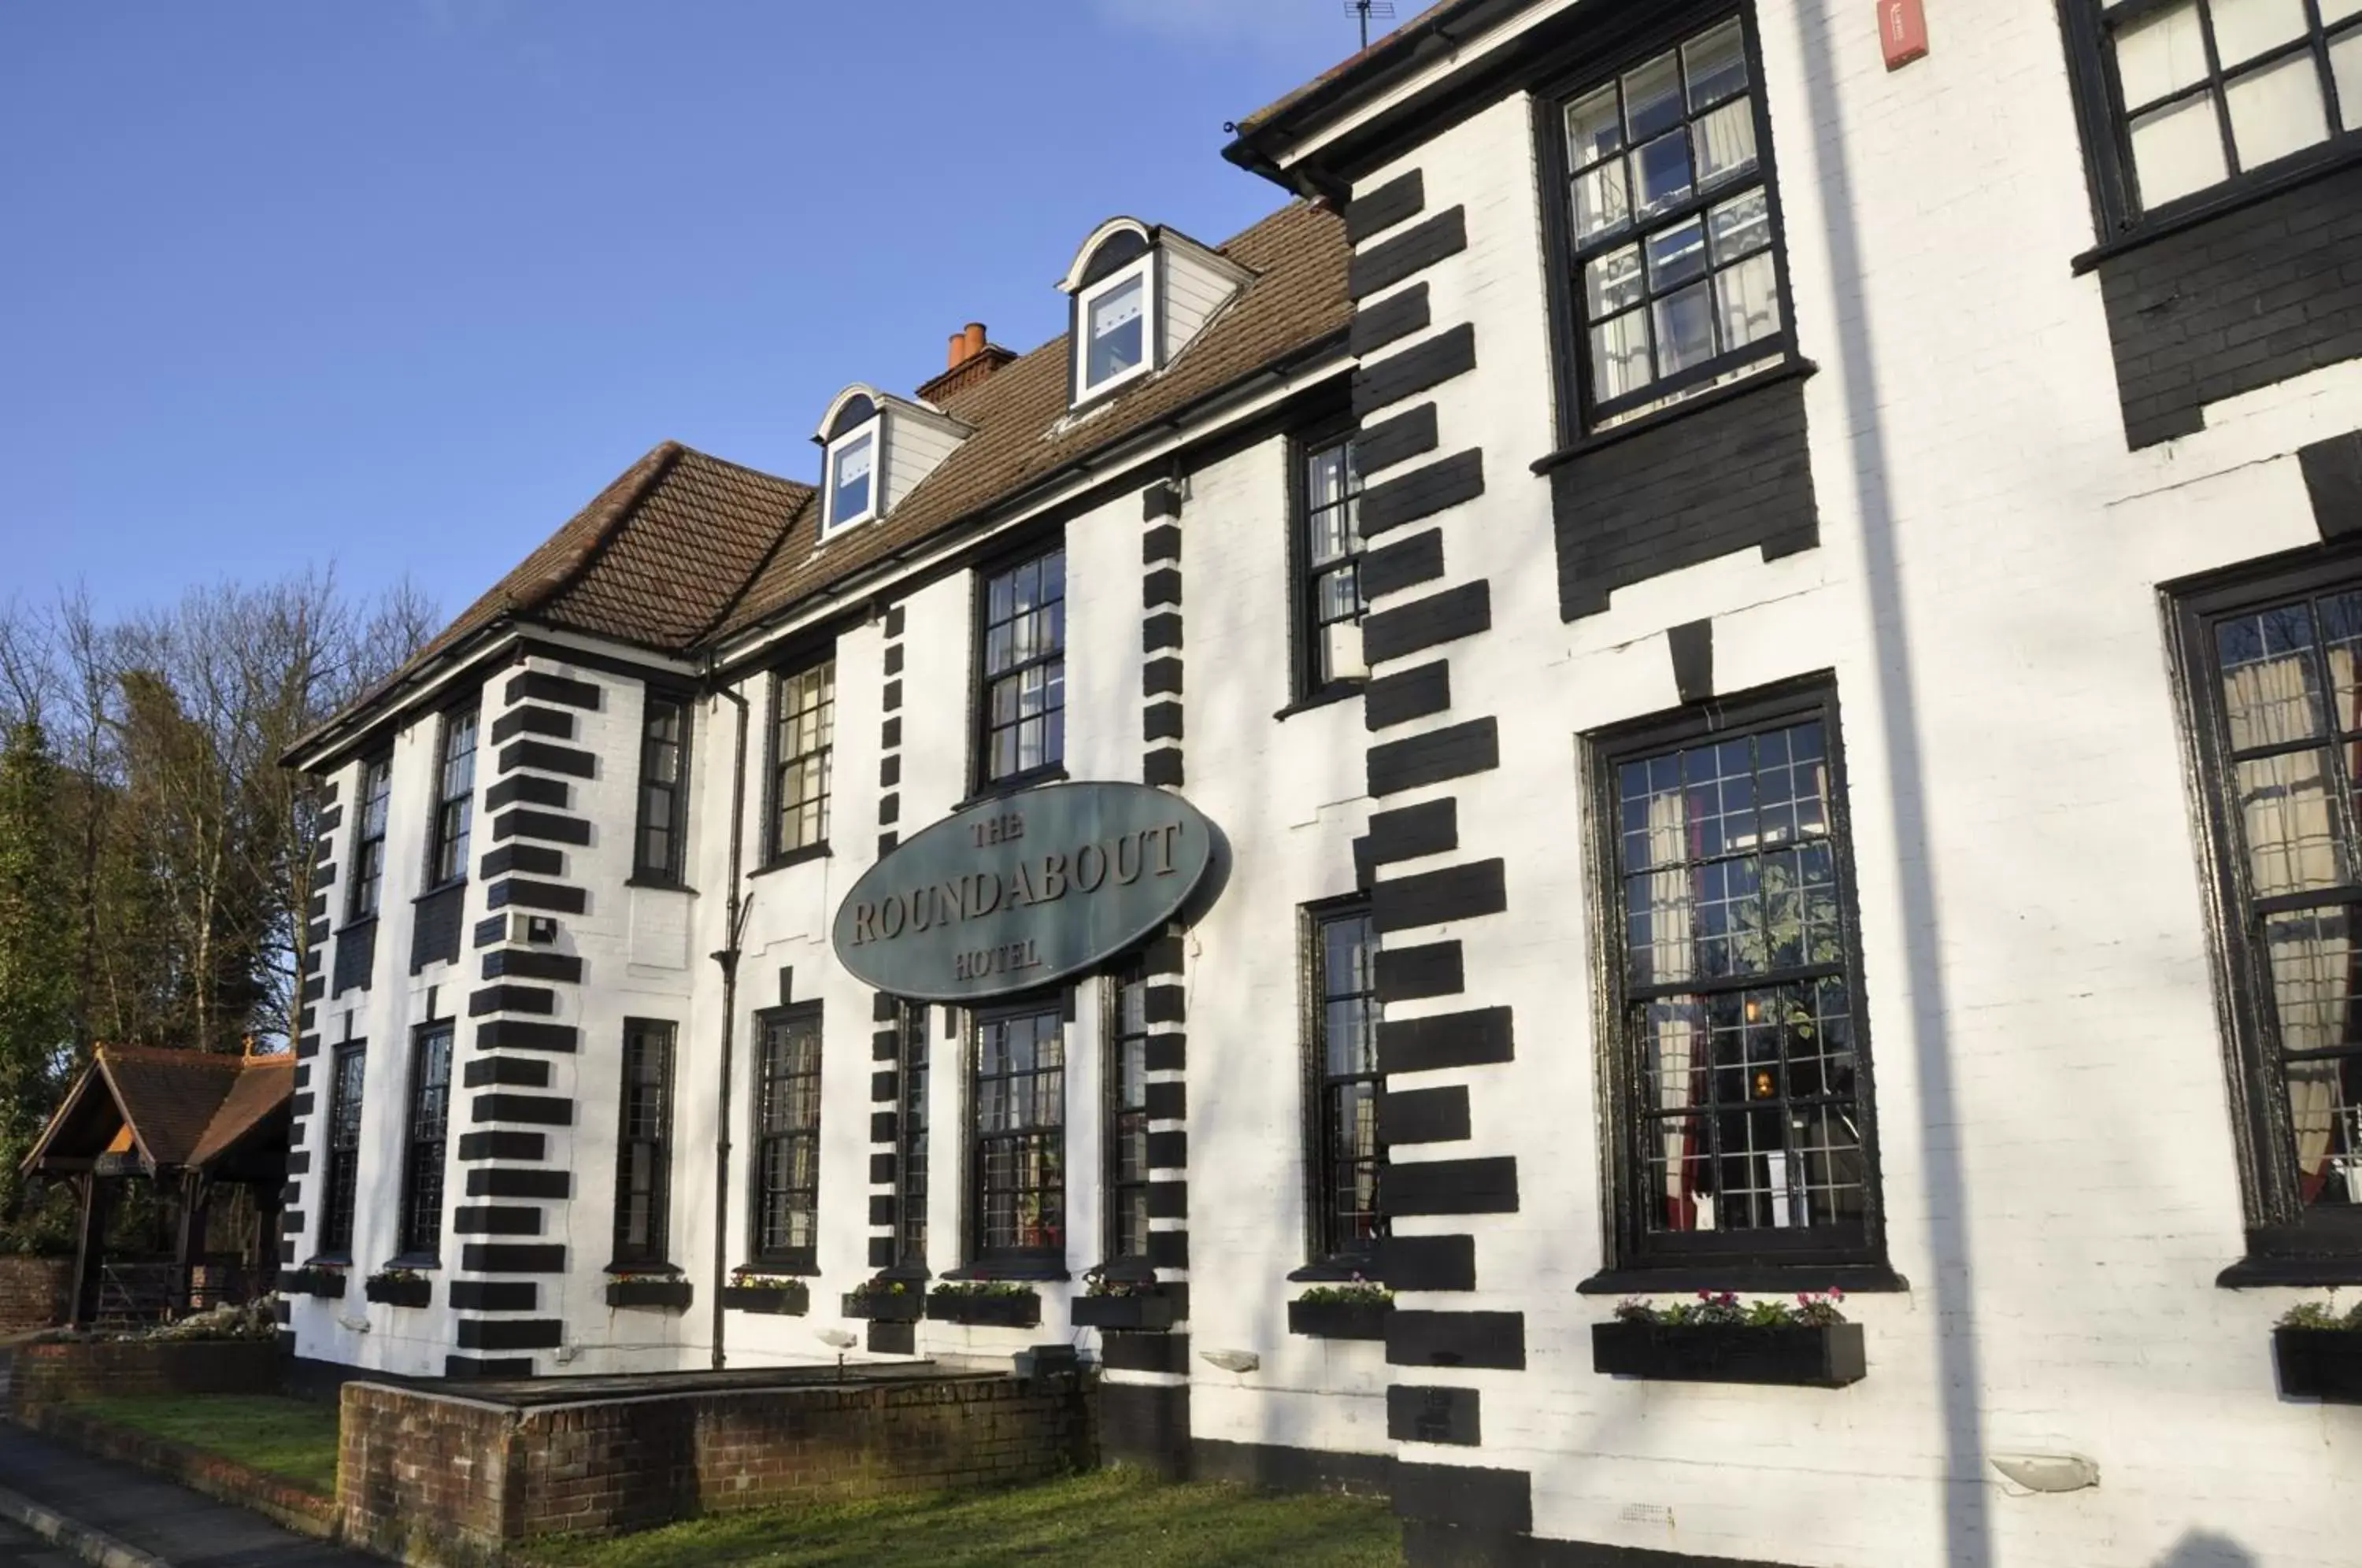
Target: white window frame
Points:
(1144, 270)
(874, 431)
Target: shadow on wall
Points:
(2204, 1549)
(1967, 1526)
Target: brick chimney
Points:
(971, 358)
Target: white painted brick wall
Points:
(2049, 1076)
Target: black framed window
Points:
(1127, 1110)
(2273, 667)
(786, 1136)
(369, 837)
(1739, 1051)
(1018, 1077)
(1023, 661)
(659, 850)
(644, 1144)
(1676, 281)
(910, 1169)
(1343, 1067)
(804, 743)
(430, 1130)
(2197, 97)
(1328, 556)
(455, 798)
(343, 1181)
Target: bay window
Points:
(1675, 279)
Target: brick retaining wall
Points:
(430, 1477)
(57, 1374)
(33, 1293)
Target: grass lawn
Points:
(288, 1437)
(1118, 1517)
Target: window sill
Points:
(1328, 696)
(330, 1260)
(363, 922)
(2222, 203)
(619, 1267)
(1046, 1272)
(660, 885)
(1335, 1271)
(809, 852)
(1016, 784)
(440, 889)
(1795, 367)
(417, 1262)
(2328, 1253)
(799, 1268)
(1773, 1278)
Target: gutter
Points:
(1348, 86)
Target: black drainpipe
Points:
(728, 959)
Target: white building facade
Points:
(1766, 620)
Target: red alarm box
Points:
(1903, 30)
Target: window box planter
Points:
(1150, 1309)
(883, 1307)
(1826, 1356)
(985, 1309)
(779, 1302)
(400, 1292)
(2320, 1364)
(329, 1284)
(649, 1295)
(1339, 1319)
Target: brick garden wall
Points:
(55, 1374)
(33, 1293)
(429, 1477)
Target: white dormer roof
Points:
(1142, 294)
(876, 448)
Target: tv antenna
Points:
(1363, 10)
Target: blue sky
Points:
(398, 285)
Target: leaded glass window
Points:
(1745, 1106)
(644, 1144)
(786, 1156)
(1019, 1074)
(1346, 1158)
(430, 1132)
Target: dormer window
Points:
(852, 441)
(1141, 297)
(1116, 341)
(878, 448)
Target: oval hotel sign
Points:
(1018, 892)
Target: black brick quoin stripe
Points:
(889, 764)
(1161, 722)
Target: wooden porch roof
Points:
(176, 1111)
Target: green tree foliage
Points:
(37, 980)
(155, 858)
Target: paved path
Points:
(20, 1548)
(184, 1528)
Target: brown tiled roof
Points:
(1297, 297)
(262, 1089)
(654, 559)
(186, 1107)
(683, 547)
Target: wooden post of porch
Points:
(90, 1249)
(195, 1192)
